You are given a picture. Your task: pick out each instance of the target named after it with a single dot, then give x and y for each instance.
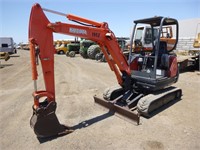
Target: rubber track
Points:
(147, 104)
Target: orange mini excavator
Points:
(144, 79)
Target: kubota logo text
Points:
(77, 31)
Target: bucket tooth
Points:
(45, 122)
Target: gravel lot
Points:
(77, 80)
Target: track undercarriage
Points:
(132, 104)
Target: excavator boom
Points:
(41, 48)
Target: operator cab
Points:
(157, 68)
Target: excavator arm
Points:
(41, 35)
(41, 48)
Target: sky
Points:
(119, 14)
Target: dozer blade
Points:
(45, 123)
(122, 110)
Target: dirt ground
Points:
(77, 81)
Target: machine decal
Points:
(78, 31)
(95, 34)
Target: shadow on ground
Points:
(5, 65)
(97, 119)
(14, 55)
(81, 125)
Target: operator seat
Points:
(163, 56)
(165, 77)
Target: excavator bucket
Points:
(130, 114)
(45, 122)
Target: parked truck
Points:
(7, 45)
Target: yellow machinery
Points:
(57, 43)
(61, 47)
(4, 55)
(196, 43)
